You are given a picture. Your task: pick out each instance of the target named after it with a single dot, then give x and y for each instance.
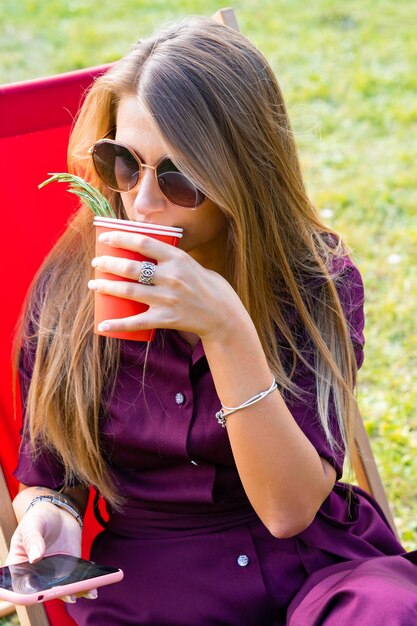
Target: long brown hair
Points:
(218, 105)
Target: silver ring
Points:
(147, 273)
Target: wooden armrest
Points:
(366, 471)
(226, 17)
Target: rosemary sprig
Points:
(88, 194)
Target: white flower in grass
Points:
(327, 213)
(394, 259)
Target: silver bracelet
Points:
(222, 415)
(61, 502)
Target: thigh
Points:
(191, 580)
(380, 590)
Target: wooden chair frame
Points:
(365, 468)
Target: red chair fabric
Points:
(35, 122)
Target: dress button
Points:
(243, 560)
(179, 398)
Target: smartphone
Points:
(54, 576)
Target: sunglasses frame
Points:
(141, 166)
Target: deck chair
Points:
(35, 121)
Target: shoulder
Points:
(346, 277)
(350, 288)
(348, 282)
(342, 271)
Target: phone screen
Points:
(51, 571)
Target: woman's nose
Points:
(148, 197)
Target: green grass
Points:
(346, 70)
(10, 620)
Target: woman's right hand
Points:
(44, 529)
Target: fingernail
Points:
(103, 326)
(92, 284)
(104, 237)
(34, 554)
(69, 599)
(94, 262)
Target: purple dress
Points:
(193, 551)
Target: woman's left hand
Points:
(183, 296)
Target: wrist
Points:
(238, 365)
(25, 496)
(225, 411)
(231, 329)
(60, 501)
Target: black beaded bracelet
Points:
(59, 501)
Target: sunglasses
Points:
(121, 169)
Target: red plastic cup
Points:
(108, 307)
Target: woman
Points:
(260, 318)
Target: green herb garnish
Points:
(88, 194)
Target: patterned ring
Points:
(147, 273)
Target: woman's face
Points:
(205, 228)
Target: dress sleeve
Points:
(43, 468)
(304, 408)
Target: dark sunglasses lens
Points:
(115, 165)
(178, 188)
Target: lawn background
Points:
(347, 70)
